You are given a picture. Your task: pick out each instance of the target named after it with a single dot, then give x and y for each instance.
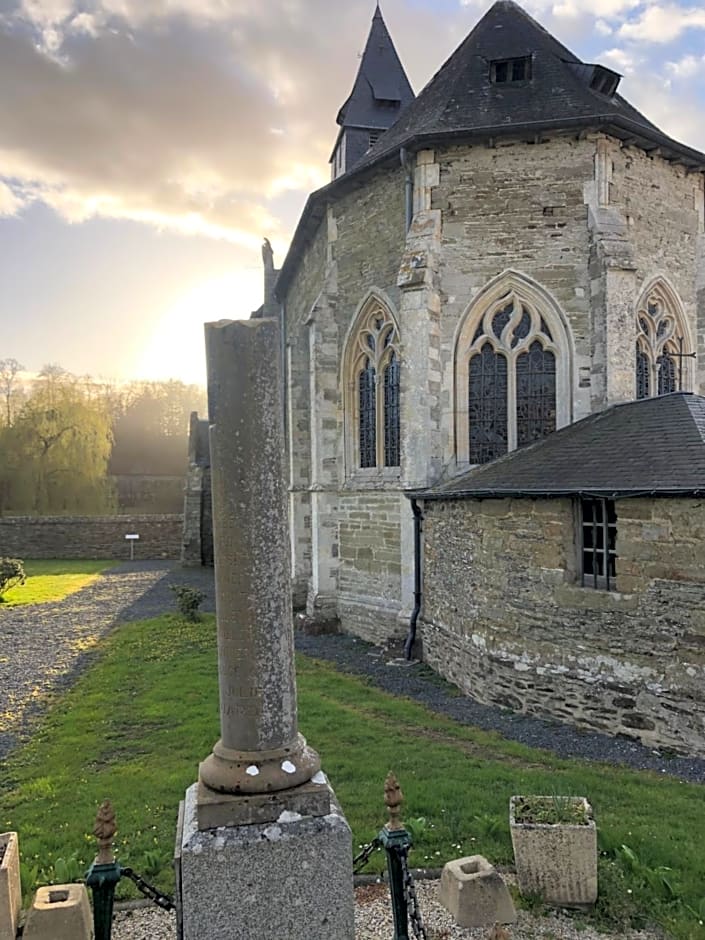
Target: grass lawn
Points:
(136, 735)
(54, 580)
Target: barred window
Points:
(374, 376)
(598, 543)
(661, 353)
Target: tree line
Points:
(63, 437)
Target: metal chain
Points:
(149, 891)
(363, 857)
(412, 901)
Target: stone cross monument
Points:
(264, 850)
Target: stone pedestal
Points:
(286, 880)
(60, 912)
(10, 893)
(474, 893)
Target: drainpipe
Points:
(408, 186)
(282, 358)
(411, 636)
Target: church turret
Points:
(380, 93)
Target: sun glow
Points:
(175, 349)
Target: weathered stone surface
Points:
(10, 889)
(216, 810)
(260, 749)
(556, 862)
(475, 894)
(60, 912)
(506, 619)
(287, 880)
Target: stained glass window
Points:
(667, 374)
(511, 380)
(642, 373)
(487, 405)
(661, 356)
(368, 423)
(536, 394)
(374, 362)
(391, 413)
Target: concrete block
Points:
(10, 891)
(474, 893)
(59, 912)
(287, 880)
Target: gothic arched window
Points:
(512, 372)
(373, 376)
(661, 354)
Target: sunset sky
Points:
(147, 146)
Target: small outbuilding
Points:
(567, 579)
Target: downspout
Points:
(408, 187)
(411, 636)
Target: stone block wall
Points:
(505, 618)
(91, 536)
(369, 576)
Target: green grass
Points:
(54, 580)
(136, 735)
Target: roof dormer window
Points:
(505, 71)
(604, 81)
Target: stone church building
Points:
(513, 250)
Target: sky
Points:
(148, 146)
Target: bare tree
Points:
(8, 380)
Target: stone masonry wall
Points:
(91, 536)
(369, 577)
(506, 619)
(517, 206)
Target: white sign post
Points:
(132, 539)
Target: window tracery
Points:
(512, 371)
(374, 377)
(661, 354)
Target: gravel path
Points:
(373, 921)
(44, 647)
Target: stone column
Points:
(260, 749)
(263, 849)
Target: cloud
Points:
(618, 59)
(663, 24)
(9, 202)
(687, 67)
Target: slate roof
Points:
(460, 100)
(380, 77)
(654, 447)
(460, 103)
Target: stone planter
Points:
(556, 860)
(10, 891)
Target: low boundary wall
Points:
(160, 536)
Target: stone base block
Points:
(215, 810)
(59, 912)
(474, 893)
(286, 880)
(10, 891)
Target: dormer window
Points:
(604, 81)
(505, 71)
(374, 137)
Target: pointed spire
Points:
(380, 93)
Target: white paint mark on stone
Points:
(252, 771)
(320, 777)
(273, 833)
(288, 767)
(286, 816)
